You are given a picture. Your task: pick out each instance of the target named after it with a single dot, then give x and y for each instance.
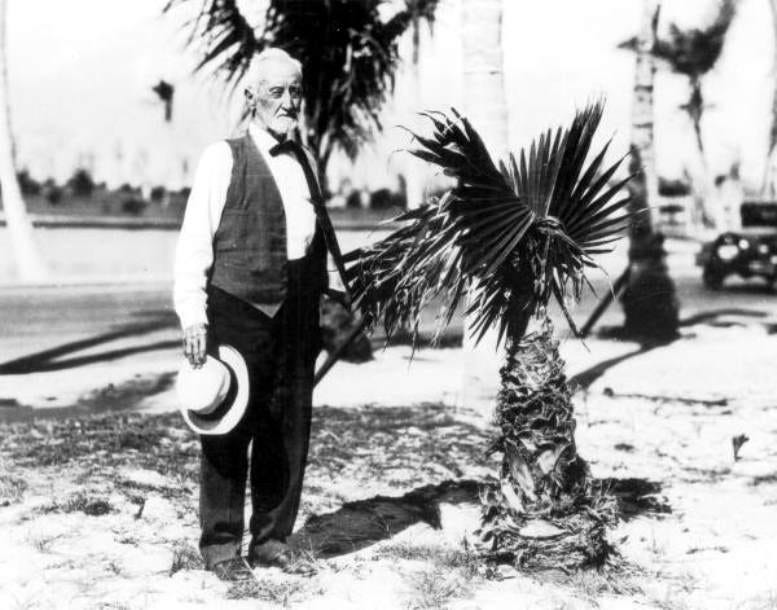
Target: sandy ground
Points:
(99, 511)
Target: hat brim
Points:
(235, 411)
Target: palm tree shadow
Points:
(634, 496)
(48, 360)
(357, 525)
(586, 378)
(711, 317)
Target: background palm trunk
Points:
(485, 105)
(414, 176)
(767, 185)
(649, 300)
(30, 268)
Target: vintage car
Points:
(747, 252)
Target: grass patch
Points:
(80, 502)
(284, 593)
(161, 443)
(464, 560)
(764, 479)
(452, 575)
(11, 489)
(185, 557)
(42, 543)
(434, 589)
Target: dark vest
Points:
(249, 246)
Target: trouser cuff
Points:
(216, 553)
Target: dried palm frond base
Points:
(574, 540)
(547, 511)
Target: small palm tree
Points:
(349, 52)
(515, 236)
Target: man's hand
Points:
(195, 344)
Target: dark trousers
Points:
(280, 353)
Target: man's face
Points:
(277, 97)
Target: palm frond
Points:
(349, 53)
(695, 51)
(508, 238)
(230, 40)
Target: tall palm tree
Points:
(350, 56)
(767, 185)
(420, 10)
(515, 237)
(483, 71)
(485, 104)
(649, 300)
(693, 52)
(30, 267)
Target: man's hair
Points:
(270, 55)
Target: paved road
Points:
(55, 328)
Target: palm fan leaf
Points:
(350, 54)
(509, 238)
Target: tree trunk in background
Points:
(28, 263)
(485, 105)
(767, 185)
(414, 174)
(704, 214)
(649, 301)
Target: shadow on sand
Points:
(49, 360)
(357, 525)
(584, 379)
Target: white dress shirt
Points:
(194, 252)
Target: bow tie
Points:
(288, 145)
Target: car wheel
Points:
(712, 278)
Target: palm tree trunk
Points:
(767, 184)
(649, 300)
(30, 268)
(486, 107)
(544, 513)
(414, 177)
(484, 92)
(703, 214)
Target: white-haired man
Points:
(250, 268)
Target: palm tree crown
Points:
(349, 53)
(694, 52)
(515, 235)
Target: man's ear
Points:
(250, 98)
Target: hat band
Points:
(226, 404)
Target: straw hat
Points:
(214, 397)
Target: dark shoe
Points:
(277, 554)
(233, 570)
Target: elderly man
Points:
(250, 268)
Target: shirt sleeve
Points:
(194, 251)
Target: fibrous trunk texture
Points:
(545, 513)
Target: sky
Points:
(81, 74)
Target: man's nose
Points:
(286, 101)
